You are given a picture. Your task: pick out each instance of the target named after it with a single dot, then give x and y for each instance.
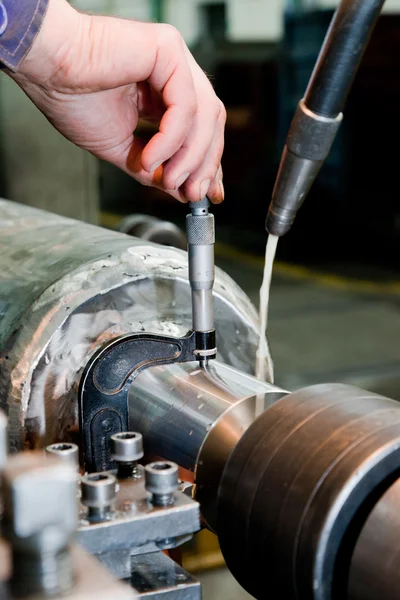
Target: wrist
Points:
(53, 44)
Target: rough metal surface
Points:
(65, 289)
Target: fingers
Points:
(130, 161)
(173, 78)
(208, 123)
(190, 140)
(209, 171)
(185, 162)
(216, 192)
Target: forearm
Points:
(20, 21)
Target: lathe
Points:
(304, 497)
(107, 367)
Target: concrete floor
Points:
(326, 332)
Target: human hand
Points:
(93, 77)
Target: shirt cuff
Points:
(20, 22)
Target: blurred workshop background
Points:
(335, 309)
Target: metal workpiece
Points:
(65, 452)
(40, 517)
(99, 491)
(194, 417)
(200, 226)
(161, 481)
(136, 526)
(106, 382)
(298, 488)
(375, 563)
(308, 144)
(156, 575)
(154, 230)
(78, 287)
(126, 451)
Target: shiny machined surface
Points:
(195, 416)
(201, 240)
(375, 564)
(66, 288)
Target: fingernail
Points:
(181, 180)
(156, 166)
(221, 187)
(204, 187)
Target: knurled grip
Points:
(311, 136)
(200, 230)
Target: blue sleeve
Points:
(20, 21)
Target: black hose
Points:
(341, 55)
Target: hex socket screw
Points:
(99, 491)
(162, 481)
(40, 517)
(66, 452)
(126, 450)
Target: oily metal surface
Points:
(294, 484)
(65, 289)
(195, 416)
(175, 406)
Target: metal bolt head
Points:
(161, 478)
(40, 508)
(126, 447)
(99, 490)
(65, 452)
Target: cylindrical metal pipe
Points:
(299, 486)
(154, 230)
(341, 55)
(195, 416)
(375, 566)
(66, 289)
